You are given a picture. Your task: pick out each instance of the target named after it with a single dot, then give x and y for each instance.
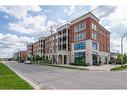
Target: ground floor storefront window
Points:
(80, 58)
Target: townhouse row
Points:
(81, 39)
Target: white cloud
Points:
(113, 18)
(61, 21)
(116, 22)
(72, 9)
(10, 43)
(26, 23)
(19, 28)
(19, 11)
(30, 25)
(103, 11)
(69, 10)
(6, 16)
(118, 27)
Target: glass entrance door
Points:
(65, 59)
(94, 58)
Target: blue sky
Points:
(21, 24)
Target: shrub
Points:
(79, 63)
(46, 61)
(112, 61)
(73, 64)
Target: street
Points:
(47, 77)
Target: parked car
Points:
(27, 62)
(21, 61)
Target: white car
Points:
(27, 62)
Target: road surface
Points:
(47, 77)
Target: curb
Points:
(78, 68)
(67, 67)
(24, 78)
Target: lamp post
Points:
(122, 42)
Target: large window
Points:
(79, 56)
(80, 27)
(79, 46)
(80, 36)
(94, 45)
(94, 36)
(94, 27)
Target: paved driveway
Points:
(47, 77)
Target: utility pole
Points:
(18, 55)
(51, 44)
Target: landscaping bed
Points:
(121, 68)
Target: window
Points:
(80, 27)
(79, 56)
(94, 45)
(64, 46)
(64, 31)
(81, 45)
(80, 36)
(94, 36)
(94, 27)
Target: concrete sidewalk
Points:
(106, 67)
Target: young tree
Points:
(34, 58)
(124, 59)
(120, 58)
(43, 57)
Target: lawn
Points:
(119, 68)
(9, 80)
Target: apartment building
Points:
(30, 49)
(85, 39)
(81, 39)
(90, 41)
(50, 47)
(21, 55)
(35, 48)
(63, 44)
(41, 46)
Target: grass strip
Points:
(11, 81)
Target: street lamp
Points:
(122, 42)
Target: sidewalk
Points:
(106, 67)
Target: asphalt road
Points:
(47, 77)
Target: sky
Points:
(20, 25)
